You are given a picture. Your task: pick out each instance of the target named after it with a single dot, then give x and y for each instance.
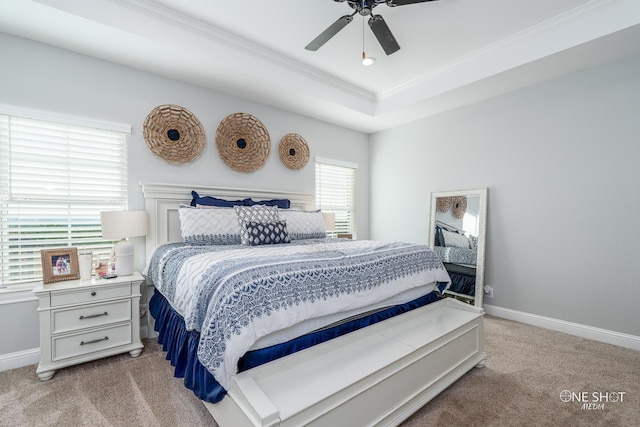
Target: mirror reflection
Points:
(457, 236)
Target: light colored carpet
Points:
(526, 370)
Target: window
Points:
(55, 179)
(335, 193)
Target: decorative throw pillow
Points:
(267, 233)
(455, 239)
(439, 239)
(473, 242)
(213, 226)
(214, 201)
(304, 224)
(257, 213)
(281, 203)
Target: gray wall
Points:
(562, 163)
(42, 77)
(560, 160)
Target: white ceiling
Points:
(453, 52)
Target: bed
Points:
(330, 300)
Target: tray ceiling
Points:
(453, 52)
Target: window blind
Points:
(335, 193)
(55, 179)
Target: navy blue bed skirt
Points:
(181, 345)
(463, 283)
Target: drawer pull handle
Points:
(93, 294)
(94, 341)
(94, 315)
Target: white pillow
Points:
(303, 224)
(455, 239)
(210, 226)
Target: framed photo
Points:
(59, 264)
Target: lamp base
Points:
(123, 257)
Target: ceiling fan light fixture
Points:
(367, 60)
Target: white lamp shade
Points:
(120, 225)
(123, 224)
(329, 221)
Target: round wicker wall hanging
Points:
(459, 206)
(443, 204)
(294, 151)
(243, 142)
(174, 134)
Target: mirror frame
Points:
(482, 232)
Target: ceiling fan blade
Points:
(383, 34)
(404, 2)
(326, 35)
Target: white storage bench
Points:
(378, 375)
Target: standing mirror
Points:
(457, 233)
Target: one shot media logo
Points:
(592, 400)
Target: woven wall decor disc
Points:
(294, 151)
(459, 206)
(243, 142)
(174, 134)
(443, 204)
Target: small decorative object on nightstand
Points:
(84, 320)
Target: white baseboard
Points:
(584, 331)
(32, 356)
(19, 359)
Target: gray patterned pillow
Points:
(267, 233)
(473, 242)
(257, 213)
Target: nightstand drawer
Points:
(89, 342)
(90, 316)
(89, 295)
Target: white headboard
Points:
(162, 202)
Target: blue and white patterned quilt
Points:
(234, 295)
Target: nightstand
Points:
(83, 320)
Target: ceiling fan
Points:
(376, 22)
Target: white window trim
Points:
(336, 162)
(18, 293)
(12, 110)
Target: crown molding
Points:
(598, 18)
(210, 32)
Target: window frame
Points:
(10, 198)
(344, 212)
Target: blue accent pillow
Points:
(214, 201)
(439, 238)
(267, 233)
(280, 203)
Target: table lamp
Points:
(329, 221)
(121, 225)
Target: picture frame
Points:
(59, 264)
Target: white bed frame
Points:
(378, 375)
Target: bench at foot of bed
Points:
(378, 375)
